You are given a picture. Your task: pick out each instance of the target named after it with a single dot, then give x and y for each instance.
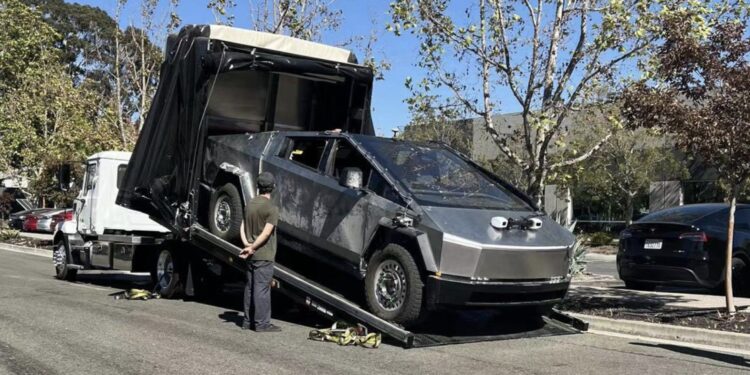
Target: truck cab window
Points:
(121, 174)
(381, 187)
(348, 157)
(304, 151)
(90, 176)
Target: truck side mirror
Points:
(351, 178)
(63, 177)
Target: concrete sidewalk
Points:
(619, 296)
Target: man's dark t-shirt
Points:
(258, 212)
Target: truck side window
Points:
(305, 151)
(121, 174)
(381, 187)
(348, 157)
(90, 176)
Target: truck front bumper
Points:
(457, 291)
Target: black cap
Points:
(265, 180)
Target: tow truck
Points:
(136, 217)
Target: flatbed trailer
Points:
(332, 305)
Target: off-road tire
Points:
(231, 196)
(173, 284)
(410, 311)
(639, 286)
(62, 272)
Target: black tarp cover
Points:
(162, 168)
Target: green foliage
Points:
(8, 234)
(84, 35)
(26, 42)
(578, 257)
(600, 239)
(621, 173)
(45, 118)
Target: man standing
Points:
(258, 234)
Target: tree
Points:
(436, 125)
(26, 43)
(627, 164)
(550, 58)
(45, 118)
(303, 19)
(83, 37)
(144, 56)
(699, 93)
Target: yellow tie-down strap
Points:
(343, 333)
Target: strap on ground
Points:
(344, 334)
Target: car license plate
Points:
(652, 244)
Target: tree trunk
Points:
(730, 248)
(536, 181)
(628, 209)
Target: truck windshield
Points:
(438, 177)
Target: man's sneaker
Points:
(268, 328)
(247, 325)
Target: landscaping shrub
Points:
(600, 239)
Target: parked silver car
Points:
(45, 222)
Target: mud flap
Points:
(189, 286)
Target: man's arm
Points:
(263, 237)
(243, 237)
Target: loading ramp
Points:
(335, 307)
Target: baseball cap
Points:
(265, 180)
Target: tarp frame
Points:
(163, 175)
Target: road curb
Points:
(729, 340)
(26, 249)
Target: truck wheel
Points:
(393, 286)
(61, 259)
(225, 214)
(170, 274)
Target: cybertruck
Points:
(422, 225)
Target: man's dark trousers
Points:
(258, 293)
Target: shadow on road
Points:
(731, 359)
(462, 325)
(618, 298)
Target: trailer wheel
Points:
(225, 213)
(170, 274)
(393, 286)
(61, 259)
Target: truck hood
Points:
(473, 226)
(466, 245)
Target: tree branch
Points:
(582, 157)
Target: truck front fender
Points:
(416, 241)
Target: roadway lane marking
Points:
(671, 342)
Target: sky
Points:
(360, 17)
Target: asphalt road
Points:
(601, 264)
(51, 326)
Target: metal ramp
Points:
(333, 306)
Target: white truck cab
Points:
(103, 235)
(95, 210)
